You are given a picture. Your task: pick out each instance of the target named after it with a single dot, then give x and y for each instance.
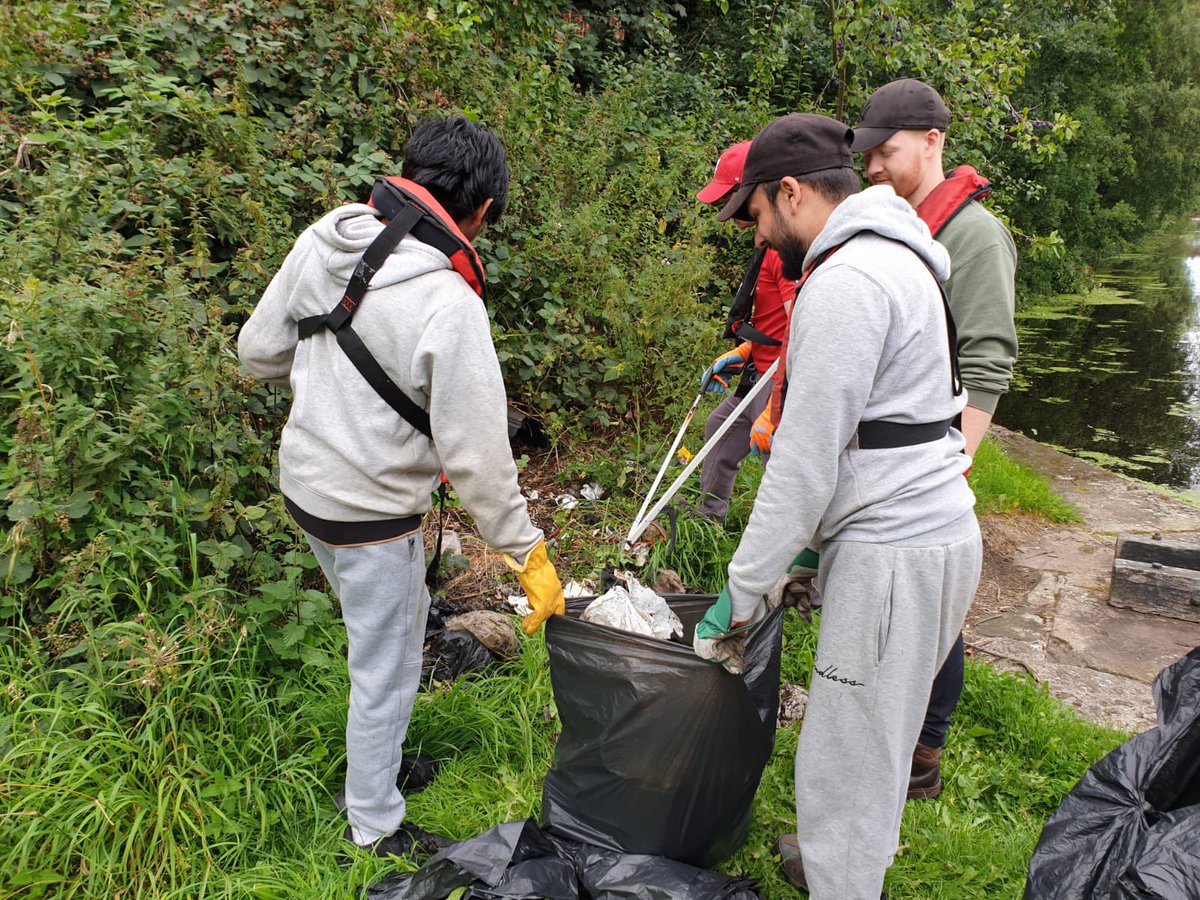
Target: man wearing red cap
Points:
(758, 319)
(901, 134)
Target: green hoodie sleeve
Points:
(982, 292)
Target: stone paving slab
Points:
(1099, 659)
(1117, 641)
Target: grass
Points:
(178, 759)
(1004, 486)
(217, 783)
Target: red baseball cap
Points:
(728, 175)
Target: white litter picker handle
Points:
(687, 420)
(641, 523)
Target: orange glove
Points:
(542, 587)
(762, 433)
(725, 367)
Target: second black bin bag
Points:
(661, 752)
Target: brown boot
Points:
(925, 781)
(788, 848)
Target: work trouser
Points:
(891, 613)
(381, 588)
(720, 467)
(944, 697)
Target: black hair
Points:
(461, 163)
(834, 185)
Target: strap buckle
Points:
(364, 271)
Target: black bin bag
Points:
(1130, 830)
(660, 751)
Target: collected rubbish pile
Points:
(655, 770)
(458, 641)
(629, 606)
(1130, 829)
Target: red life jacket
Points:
(437, 229)
(948, 199)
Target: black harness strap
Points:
(880, 434)
(737, 325)
(338, 319)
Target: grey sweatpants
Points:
(720, 467)
(384, 606)
(891, 613)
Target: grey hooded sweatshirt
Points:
(868, 341)
(345, 455)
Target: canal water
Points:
(1113, 375)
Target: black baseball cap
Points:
(896, 106)
(796, 144)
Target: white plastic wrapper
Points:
(635, 608)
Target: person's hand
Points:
(542, 587)
(762, 433)
(795, 588)
(716, 377)
(719, 639)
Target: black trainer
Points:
(416, 774)
(407, 840)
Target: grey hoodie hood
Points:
(879, 210)
(343, 236)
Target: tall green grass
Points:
(206, 777)
(200, 774)
(1002, 485)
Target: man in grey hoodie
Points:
(867, 469)
(357, 476)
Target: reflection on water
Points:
(1114, 375)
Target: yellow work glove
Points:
(542, 587)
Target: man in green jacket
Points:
(901, 134)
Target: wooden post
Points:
(1157, 575)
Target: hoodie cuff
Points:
(986, 401)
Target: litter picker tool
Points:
(643, 519)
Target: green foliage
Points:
(1004, 486)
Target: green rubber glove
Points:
(718, 641)
(795, 588)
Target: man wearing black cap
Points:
(866, 469)
(901, 134)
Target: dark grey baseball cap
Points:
(796, 144)
(902, 104)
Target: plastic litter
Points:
(630, 606)
(660, 751)
(449, 654)
(591, 491)
(566, 501)
(492, 629)
(1130, 829)
(573, 589)
(451, 542)
(519, 860)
